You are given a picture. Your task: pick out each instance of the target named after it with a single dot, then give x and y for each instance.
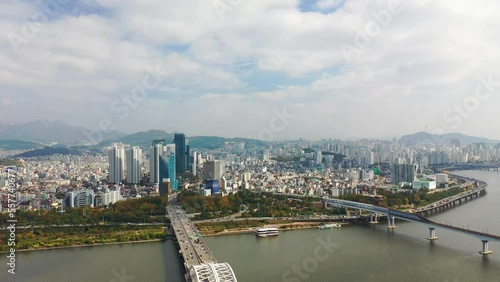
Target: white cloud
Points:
(223, 74)
(328, 4)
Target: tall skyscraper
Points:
(168, 170)
(134, 158)
(116, 158)
(181, 153)
(155, 151)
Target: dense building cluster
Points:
(322, 168)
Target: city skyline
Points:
(336, 68)
(95, 137)
(259, 140)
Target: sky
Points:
(262, 69)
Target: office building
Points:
(181, 153)
(79, 198)
(167, 170)
(165, 187)
(424, 184)
(213, 185)
(212, 170)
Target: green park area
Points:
(124, 221)
(404, 199)
(257, 205)
(50, 237)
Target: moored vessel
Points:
(330, 226)
(266, 232)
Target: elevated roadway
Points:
(199, 262)
(393, 214)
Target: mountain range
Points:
(144, 139)
(51, 132)
(39, 134)
(427, 138)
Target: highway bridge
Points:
(467, 166)
(415, 217)
(199, 262)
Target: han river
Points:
(352, 253)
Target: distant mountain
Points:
(18, 145)
(48, 151)
(214, 142)
(141, 139)
(144, 140)
(427, 138)
(49, 132)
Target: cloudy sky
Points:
(254, 68)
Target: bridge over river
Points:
(416, 215)
(199, 262)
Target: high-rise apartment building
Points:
(134, 161)
(116, 159)
(194, 162)
(155, 151)
(403, 173)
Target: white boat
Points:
(330, 226)
(266, 232)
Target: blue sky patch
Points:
(321, 6)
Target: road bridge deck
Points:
(200, 263)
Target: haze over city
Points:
(342, 69)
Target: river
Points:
(352, 253)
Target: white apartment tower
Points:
(116, 159)
(154, 161)
(134, 161)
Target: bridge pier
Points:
(432, 234)
(485, 250)
(373, 218)
(390, 222)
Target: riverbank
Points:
(281, 227)
(83, 246)
(50, 238)
(298, 226)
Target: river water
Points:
(352, 253)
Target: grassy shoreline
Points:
(234, 231)
(83, 246)
(53, 238)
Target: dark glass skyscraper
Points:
(167, 170)
(181, 153)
